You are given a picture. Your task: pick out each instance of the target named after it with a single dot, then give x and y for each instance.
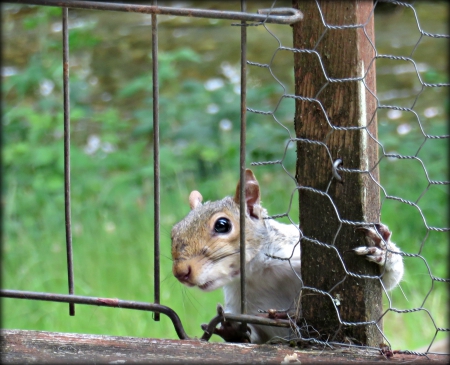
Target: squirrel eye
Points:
(222, 225)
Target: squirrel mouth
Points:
(206, 285)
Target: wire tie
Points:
(334, 170)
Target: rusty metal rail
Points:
(151, 307)
(276, 15)
(102, 302)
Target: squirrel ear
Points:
(252, 194)
(195, 199)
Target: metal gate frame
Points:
(286, 16)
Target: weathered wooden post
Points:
(346, 53)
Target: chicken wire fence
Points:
(413, 174)
(414, 115)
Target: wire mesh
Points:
(392, 122)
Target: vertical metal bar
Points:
(156, 167)
(65, 33)
(242, 155)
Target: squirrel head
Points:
(206, 243)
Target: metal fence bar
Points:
(156, 166)
(102, 302)
(150, 307)
(242, 158)
(277, 16)
(67, 205)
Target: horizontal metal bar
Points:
(277, 16)
(151, 307)
(264, 321)
(103, 302)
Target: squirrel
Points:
(206, 254)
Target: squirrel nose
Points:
(183, 273)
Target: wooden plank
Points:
(344, 54)
(19, 346)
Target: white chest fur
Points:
(270, 283)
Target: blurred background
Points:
(112, 156)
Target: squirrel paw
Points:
(377, 239)
(382, 251)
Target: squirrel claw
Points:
(373, 254)
(382, 251)
(377, 238)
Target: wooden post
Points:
(344, 53)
